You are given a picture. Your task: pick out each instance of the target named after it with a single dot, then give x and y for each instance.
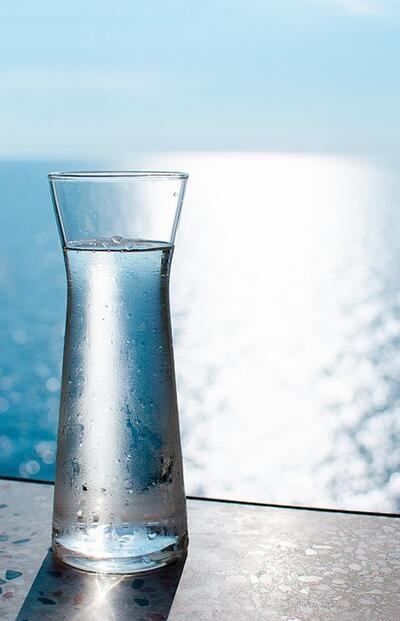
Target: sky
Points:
(114, 78)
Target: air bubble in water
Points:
(116, 239)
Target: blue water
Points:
(286, 316)
(32, 285)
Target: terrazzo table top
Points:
(245, 562)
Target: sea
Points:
(285, 298)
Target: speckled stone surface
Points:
(245, 563)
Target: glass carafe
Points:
(119, 502)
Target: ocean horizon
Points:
(286, 318)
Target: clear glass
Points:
(119, 502)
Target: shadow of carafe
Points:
(65, 594)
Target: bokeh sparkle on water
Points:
(286, 311)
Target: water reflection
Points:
(287, 327)
(63, 593)
(286, 292)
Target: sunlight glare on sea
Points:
(287, 321)
(286, 315)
